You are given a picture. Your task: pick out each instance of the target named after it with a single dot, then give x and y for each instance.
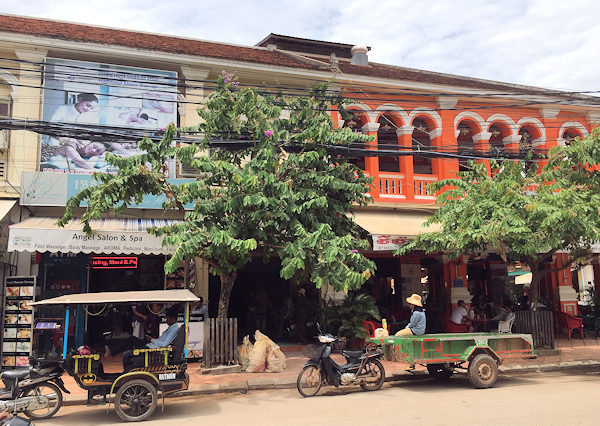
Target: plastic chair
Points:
(370, 327)
(572, 323)
(505, 326)
(452, 327)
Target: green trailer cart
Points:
(479, 353)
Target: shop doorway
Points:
(119, 273)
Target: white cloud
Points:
(548, 43)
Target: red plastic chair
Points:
(452, 327)
(572, 323)
(370, 327)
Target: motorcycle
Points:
(34, 391)
(362, 368)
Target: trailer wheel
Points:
(483, 371)
(439, 371)
(136, 400)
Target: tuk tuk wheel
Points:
(483, 371)
(439, 371)
(136, 400)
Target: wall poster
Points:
(104, 95)
(18, 321)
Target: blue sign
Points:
(54, 189)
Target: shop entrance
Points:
(120, 273)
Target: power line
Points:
(112, 134)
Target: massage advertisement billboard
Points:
(91, 94)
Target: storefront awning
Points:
(5, 206)
(391, 230)
(111, 236)
(149, 296)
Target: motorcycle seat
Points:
(352, 354)
(15, 374)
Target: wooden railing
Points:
(220, 341)
(540, 324)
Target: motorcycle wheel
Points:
(373, 375)
(309, 381)
(49, 391)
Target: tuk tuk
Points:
(152, 372)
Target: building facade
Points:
(142, 81)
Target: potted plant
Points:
(350, 314)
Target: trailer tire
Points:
(483, 371)
(439, 371)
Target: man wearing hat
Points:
(416, 325)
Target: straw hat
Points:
(301, 291)
(415, 299)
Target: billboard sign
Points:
(104, 95)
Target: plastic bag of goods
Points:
(258, 354)
(244, 352)
(275, 360)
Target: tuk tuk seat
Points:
(157, 356)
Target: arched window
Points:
(526, 151)
(387, 139)
(421, 141)
(496, 142)
(569, 136)
(465, 143)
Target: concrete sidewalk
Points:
(565, 356)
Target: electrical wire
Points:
(114, 134)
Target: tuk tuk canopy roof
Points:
(150, 296)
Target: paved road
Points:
(567, 397)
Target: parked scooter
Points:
(34, 391)
(362, 368)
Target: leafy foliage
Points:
(350, 313)
(521, 212)
(277, 189)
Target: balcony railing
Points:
(421, 184)
(390, 186)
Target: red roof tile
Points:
(138, 40)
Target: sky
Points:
(545, 43)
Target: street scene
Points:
(534, 398)
(312, 213)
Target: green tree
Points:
(276, 190)
(522, 212)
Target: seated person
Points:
(459, 314)
(417, 323)
(132, 342)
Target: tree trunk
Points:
(534, 287)
(227, 281)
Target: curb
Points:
(262, 383)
